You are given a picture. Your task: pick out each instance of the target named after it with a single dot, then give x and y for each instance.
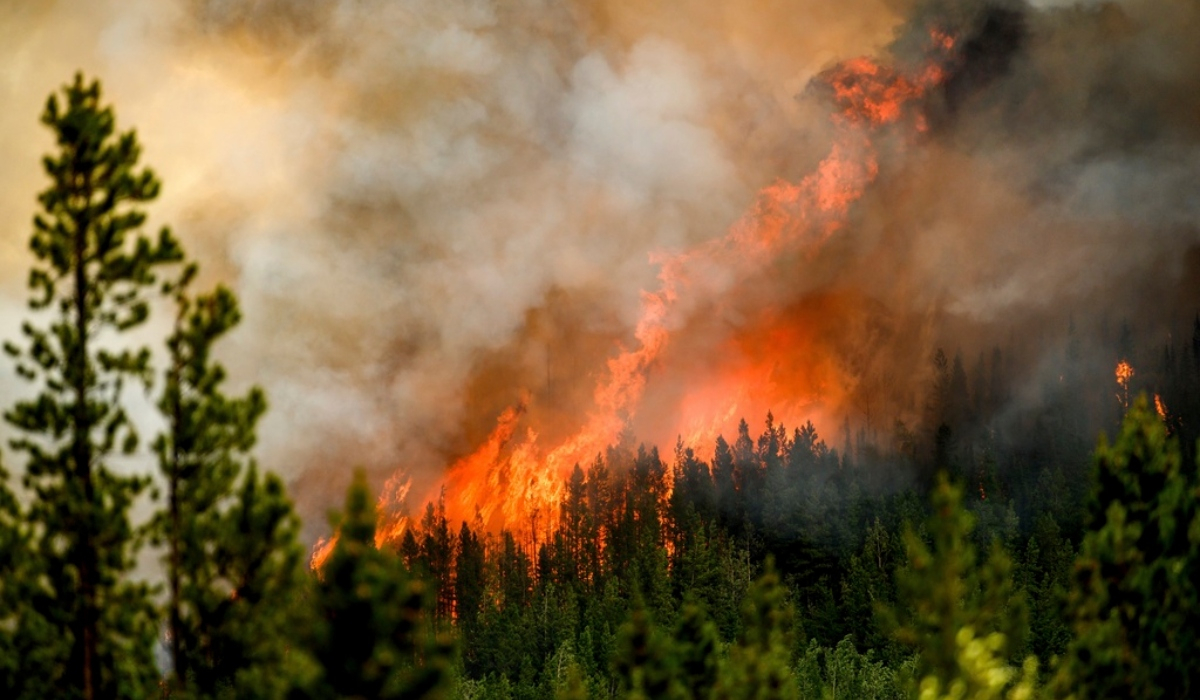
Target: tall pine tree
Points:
(89, 283)
(372, 636)
(1135, 602)
(234, 566)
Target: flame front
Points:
(1124, 373)
(512, 480)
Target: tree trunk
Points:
(175, 535)
(85, 550)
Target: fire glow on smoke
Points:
(513, 478)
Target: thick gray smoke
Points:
(428, 207)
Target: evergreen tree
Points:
(575, 526)
(234, 569)
(696, 651)
(965, 621)
(437, 557)
(93, 269)
(251, 598)
(843, 673)
(29, 649)
(469, 583)
(725, 485)
(1045, 576)
(760, 663)
(645, 664)
(372, 637)
(869, 583)
(1135, 603)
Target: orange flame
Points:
(1160, 408)
(1124, 373)
(392, 520)
(511, 479)
(321, 551)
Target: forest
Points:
(1015, 556)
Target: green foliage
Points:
(93, 269)
(697, 649)
(982, 672)
(760, 662)
(371, 637)
(254, 601)
(842, 672)
(234, 566)
(869, 581)
(1045, 576)
(29, 654)
(1135, 606)
(965, 621)
(682, 663)
(645, 664)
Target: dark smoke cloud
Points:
(1056, 187)
(427, 207)
(430, 207)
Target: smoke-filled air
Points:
(479, 241)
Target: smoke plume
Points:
(434, 211)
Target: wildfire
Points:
(1160, 408)
(321, 551)
(392, 521)
(512, 478)
(1124, 373)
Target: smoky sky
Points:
(430, 209)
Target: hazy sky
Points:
(429, 205)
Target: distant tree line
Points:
(781, 568)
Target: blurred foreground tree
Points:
(372, 636)
(234, 566)
(760, 661)
(93, 269)
(1135, 603)
(965, 621)
(30, 653)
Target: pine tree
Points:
(725, 485)
(93, 269)
(869, 583)
(760, 663)
(437, 557)
(372, 636)
(469, 583)
(258, 595)
(233, 563)
(28, 647)
(645, 663)
(965, 621)
(696, 650)
(575, 528)
(1135, 602)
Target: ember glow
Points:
(1124, 373)
(1160, 408)
(514, 479)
